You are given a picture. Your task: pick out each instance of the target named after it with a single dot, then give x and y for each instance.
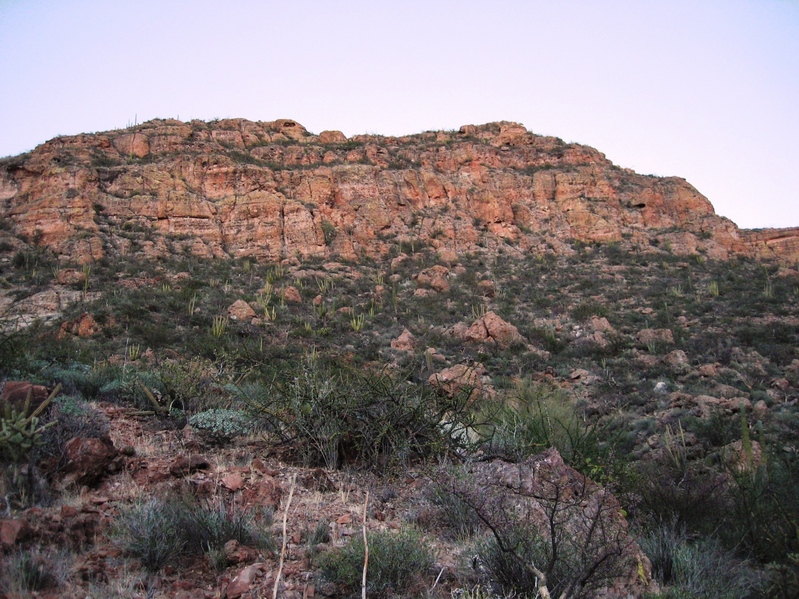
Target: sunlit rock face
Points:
(273, 190)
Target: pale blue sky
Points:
(703, 89)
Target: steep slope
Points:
(273, 190)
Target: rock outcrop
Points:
(273, 190)
(589, 547)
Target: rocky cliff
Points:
(273, 190)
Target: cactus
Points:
(20, 433)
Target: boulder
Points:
(87, 460)
(677, 360)
(185, 465)
(241, 310)
(12, 531)
(435, 278)
(456, 378)
(291, 294)
(491, 329)
(652, 337)
(15, 393)
(332, 137)
(242, 583)
(83, 326)
(405, 342)
(554, 503)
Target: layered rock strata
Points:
(273, 190)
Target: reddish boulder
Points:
(290, 294)
(83, 326)
(88, 460)
(242, 583)
(456, 378)
(241, 310)
(332, 137)
(563, 509)
(405, 342)
(12, 531)
(15, 393)
(491, 329)
(185, 465)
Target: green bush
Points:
(397, 563)
(159, 531)
(538, 417)
(209, 526)
(700, 569)
(585, 310)
(35, 569)
(457, 516)
(337, 415)
(220, 426)
(152, 532)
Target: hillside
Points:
(270, 191)
(238, 313)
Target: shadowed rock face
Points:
(273, 190)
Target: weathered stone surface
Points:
(12, 531)
(677, 360)
(434, 277)
(229, 188)
(546, 495)
(185, 465)
(332, 137)
(83, 326)
(292, 294)
(405, 342)
(15, 394)
(236, 553)
(243, 581)
(241, 310)
(456, 378)
(233, 482)
(88, 459)
(491, 329)
(648, 337)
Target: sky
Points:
(707, 90)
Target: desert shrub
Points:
(79, 379)
(690, 495)
(36, 569)
(220, 426)
(333, 415)
(764, 509)
(208, 526)
(508, 571)
(457, 516)
(13, 350)
(195, 384)
(585, 310)
(397, 563)
(537, 417)
(319, 534)
(159, 531)
(698, 569)
(152, 532)
(716, 430)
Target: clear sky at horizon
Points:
(703, 89)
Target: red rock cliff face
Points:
(273, 190)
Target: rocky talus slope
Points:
(273, 190)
